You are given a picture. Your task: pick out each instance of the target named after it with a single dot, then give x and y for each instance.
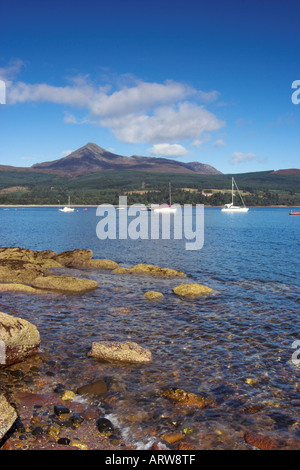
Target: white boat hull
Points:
(66, 209)
(235, 209)
(165, 210)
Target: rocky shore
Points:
(39, 412)
(52, 417)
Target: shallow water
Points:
(234, 346)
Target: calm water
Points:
(234, 346)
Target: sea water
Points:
(236, 346)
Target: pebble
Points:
(105, 426)
(60, 410)
(53, 430)
(79, 444)
(64, 441)
(68, 395)
(76, 419)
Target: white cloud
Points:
(65, 153)
(168, 150)
(240, 157)
(140, 98)
(11, 70)
(219, 143)
(140, 112)
(166, 124)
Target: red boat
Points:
(294, 213)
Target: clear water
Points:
(234, 346)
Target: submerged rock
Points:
(19, 338)
(153, 295)
(192, 290)
(181, 397)
(8, 416)
(65, 284)
(96, 388)
(120, 351)
(260, 441)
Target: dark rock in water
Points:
(59, 388)
(60, 410)
(16, 374)
(95, 388)
(77, 419)
(37, 431)
(105, 426)
(64, 441)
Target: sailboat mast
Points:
(239, 192)
(170, 194)
(232, 189)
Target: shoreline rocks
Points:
(24, 267)
(120, 351)
(25, 270)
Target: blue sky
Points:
(194, 80)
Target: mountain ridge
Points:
(91, 158)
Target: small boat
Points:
(67, 208)
(166, 208)
(294, 213)
(231, 207)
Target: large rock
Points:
(64, 284)
(155, 271)
(8, 416)
(18, 271)
(101, 264)
(192, 290)
(13, 287)
(74, 258)
(18, 339)
(120, 351)
(44, 259)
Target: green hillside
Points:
(259, 188)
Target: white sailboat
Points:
(166, 208)
(67, 208)
(231, 207)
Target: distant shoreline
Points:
(117, 205)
